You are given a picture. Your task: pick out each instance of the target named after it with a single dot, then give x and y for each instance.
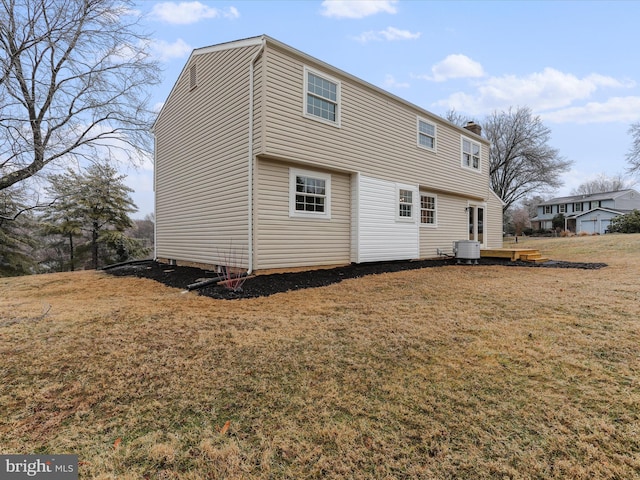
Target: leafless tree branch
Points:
(73, 79)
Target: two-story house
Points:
(586, 213)
(274, 159)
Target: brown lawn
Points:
(448, 372)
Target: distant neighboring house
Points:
(587, 213)
(274, 159)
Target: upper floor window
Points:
(548, 209)
(577, 207)
(562, 208)
(426, 134)
(470, 154)
(321, 97)
(405, 204)
(427, 209)
(310, 194)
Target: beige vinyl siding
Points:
(201, 161)
(284, 241)
(452, 225)
(378, 134)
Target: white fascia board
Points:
(247, 42)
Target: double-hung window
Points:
(405, 204)
(548, 209)
(562, 208)
(427, 209)
(321, 97)
(426, 134)
(309, 194)
(577, 207)
(470, 154)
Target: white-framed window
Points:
(548, 209)
(405, 204)
(321, 97)
(470, 154)
(562, 208)
(426, 134)
(428, 203)
(577, 207)
(309, 194)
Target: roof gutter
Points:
(250, 159)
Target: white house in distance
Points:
(275, 159)
(587, 213)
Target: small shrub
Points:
(233, 274)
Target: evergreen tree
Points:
(16, 244)
(94, 207)
(628, 223)
(63, 218)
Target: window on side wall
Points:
(321, 97)
(427, 209)
(405, 204)
(426, 134)
(470, 154)
(309, 194)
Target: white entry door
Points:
(476, 223)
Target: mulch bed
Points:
(265, 285)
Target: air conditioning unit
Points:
(467, 250)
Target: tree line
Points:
(87, 225)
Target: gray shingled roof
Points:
(587, 198)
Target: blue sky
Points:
(574, 63)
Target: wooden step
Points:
(534, 257)
(513, 254)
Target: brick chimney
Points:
(474, 127)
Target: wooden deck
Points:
(513, 254)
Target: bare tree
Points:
(521, 161)
(602, 183)
(457, 118)
(73, 82)
(520, 219)
(633, 157)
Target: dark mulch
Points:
(265, 285)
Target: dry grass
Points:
(452, 372)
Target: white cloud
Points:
(389, 34)
(391, 83)
(547, 89)
(185, 13)
(543, 91)
(167, 51)
(357, 8)
(454, 66)
(615, 109)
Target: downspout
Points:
(155, 200)
(250, 159)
